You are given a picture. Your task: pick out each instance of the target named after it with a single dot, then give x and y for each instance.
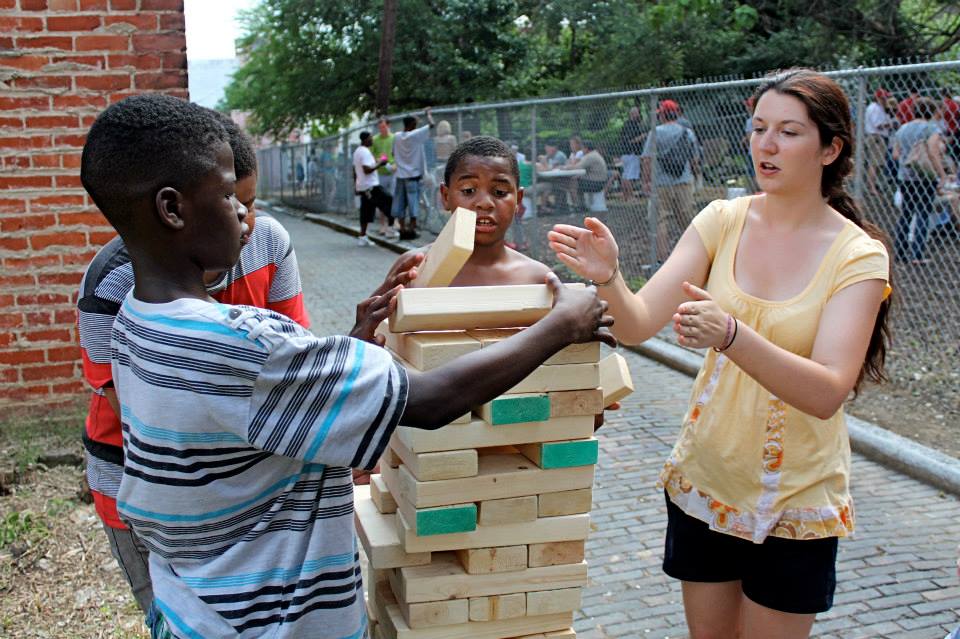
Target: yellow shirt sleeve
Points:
(866, 260)
(712, 222)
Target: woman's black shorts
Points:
(788, 575)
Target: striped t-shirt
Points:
(239, 429)
(265, 276)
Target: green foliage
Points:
(21, 527)
(315, 63)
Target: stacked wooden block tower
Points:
(477, 530)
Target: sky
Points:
(212, 27)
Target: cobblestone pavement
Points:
(897, 576)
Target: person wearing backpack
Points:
(677, 163)
(918, 147)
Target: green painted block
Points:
(442, 521)
(569, 454)
(519, 409)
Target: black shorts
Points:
(375, 198)
(788, 575)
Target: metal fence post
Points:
(858, 157)
(533, 156)
(652, 204)
(347, 163)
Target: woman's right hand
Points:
(591, 252)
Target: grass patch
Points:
(25, 437)
(22, 527)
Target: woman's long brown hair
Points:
(828, 107)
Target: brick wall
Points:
(61, 63)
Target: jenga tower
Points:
(477, 530)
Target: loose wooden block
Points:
(556, 553)
(499, 476)
(547, 602)
(479, 434)
(479, 561)
(378, 534)
(428, 614)
(516, 409)
(457, 308)
(445, 578)
(576, 402)
(561, 377)
(582, 452)
(494, 512)
(496, 607)
(450, 251)
(615, 378)
(443, 520)
(566, 502)
(542, 530)
(448, 464)
(381, 496)
(426, 351)
(586, 353)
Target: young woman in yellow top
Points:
(791, 292)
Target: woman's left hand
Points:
(700, 323)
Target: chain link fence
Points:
(603, 155)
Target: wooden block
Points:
(516, 409)
(494, 512)
(480, 434)
(499, 476)
(426, 351)
(393, 627)
(542, 530)
(546, 602)
(586, 353)
(496, 607)
(615, 378)
(374, 580)
(576, 402)
(479, 561)
(389, 458)
(450, 251)
(561, 377)
(378, 535)
(556, 553)
(431, 613)
(457, 308)
(448, 464)
(582, 452)
(443, 520)
(566, 502)
(381, 496)
(445, 578)
(569, 633)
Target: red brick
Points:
(25, 356)
(6, 339)
(49, 371)
(9, 24)
(87, 121)
(77, 259)
(26, 223)
(98, 238)
(31, 263)
(11, 320)
(103, 43)
(144, 62)
(16, 123)
(8, 4)
(25, 142)
(42, 299)
(13, 243)
(31, 102)
(12, 205)
(64, 238)
(142, 22)
(17, 281)
(50, 161)
(52, 279)
(172, 22)
(46, 42)
(70, 139)
(38, 318)
(61, 102)
(25, 62)
(72, 160)
(123, 5)
(64, 353)
(9, 375)
(25, 182)
(92, 61)
(171, 42)
(73, 387)
(154, 81)
(16, 162)
(19, 392)
(73, 23)
(68, 182)
(42, 82)
(112, 82)
(161, 5)
(84, 218)
(33, 5)
(175, 61)
(68, 316)
(55, 202)
(94, 5)
(6, 300)
(52, 121)
(62, 5)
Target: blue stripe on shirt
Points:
(173, 617)
(190, 325)
(341, 399)
(269, 576)
(164, 434)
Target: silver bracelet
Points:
(616, 272)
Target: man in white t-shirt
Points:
(877, 125)
(408, 155)
(367, 186)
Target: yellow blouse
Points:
(745, 462)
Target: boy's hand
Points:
(581, 312)
(372, 311)
(404, 271)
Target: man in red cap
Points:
(877, 127)
(678, 160)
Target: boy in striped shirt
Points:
(240, 427)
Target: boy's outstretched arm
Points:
(438, 396)
(382, 302)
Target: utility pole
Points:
(387, 41)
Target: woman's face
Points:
(788, 155)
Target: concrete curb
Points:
(876, 443)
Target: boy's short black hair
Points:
(364, 135)
(244, 157)
(483, 146)
(143, 143)
(409, 121)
